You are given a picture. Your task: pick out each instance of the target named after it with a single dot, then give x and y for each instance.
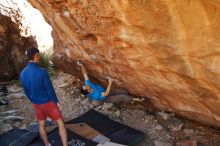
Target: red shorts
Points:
(49, 109)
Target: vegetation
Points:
(46, 63)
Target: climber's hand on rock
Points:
(59, 106)
(79, 63)
(110, 80)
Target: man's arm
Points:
(25, 89)
(83, 69)
(49, 87)
(106, 93)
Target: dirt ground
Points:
(160, 128)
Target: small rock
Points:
(14, 89)
(108, 113)
(64, 85)
(82, 95)
(13, 118)
(77, 100)
(16, 95)
(146, 121)
(91, 106)
(169, 121)
(98, 108)
(188, 131)
(5, 127)
(107, 106)
(96, 103)
(71, 79)
(86, 107)
(159, 127)
(175, 124)
(16, 124)
(4, 101)
(85, 101)
(168, 136)
(72, 92)
(161, 143)
(164, 115)
(23, 126)
(10, 112)
(117, 113)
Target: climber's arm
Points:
(83, 69)
(106, 93)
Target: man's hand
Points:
(59, 106)
(110, 80)
(79, 63)
(83, 69)
(106, 93)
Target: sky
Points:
(33, 20)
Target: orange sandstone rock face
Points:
(166, 50)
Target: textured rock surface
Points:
(12, 48)
(165, 50)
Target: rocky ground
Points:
(161, 128)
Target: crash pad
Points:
(73, 139)
(86, 131)
(96, 123)
(109, 144)
(17, 137)
(115, 131)
(83, 129)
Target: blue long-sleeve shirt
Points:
(97, 91)
(37, 84)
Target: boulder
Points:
(12, 49)
(164, 50)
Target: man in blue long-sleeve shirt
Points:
(40, 91)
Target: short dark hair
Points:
(84, 92)
(31, 52)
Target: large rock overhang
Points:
(165, 50)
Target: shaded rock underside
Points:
(12, 49)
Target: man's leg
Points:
(43, 132)
(62, 131)
(120, 98)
